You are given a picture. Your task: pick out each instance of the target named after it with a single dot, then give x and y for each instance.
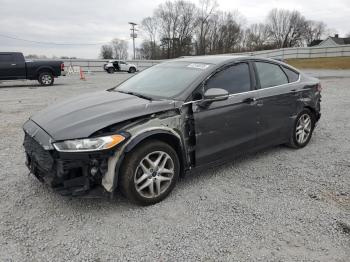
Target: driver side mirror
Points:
(214, 94)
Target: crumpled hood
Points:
(81, 116)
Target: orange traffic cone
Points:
(82, 76)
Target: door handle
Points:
(250, 100)
(13, 64)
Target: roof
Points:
(315, 42)
(335, 40)
(341, 41)
(211, 59)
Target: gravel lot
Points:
(276, 205)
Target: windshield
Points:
(164, 80)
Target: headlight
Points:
(89, 144)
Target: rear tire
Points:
(302, 129)
(110, 70)
(145, 180)
(46, 79)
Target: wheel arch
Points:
(167, 136)
(313, 110)
(44, 69)
(132, 67)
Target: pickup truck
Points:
(13, 66)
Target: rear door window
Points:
(4, 58)
(235, 79)
(270, 75)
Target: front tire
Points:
(132, 70)
(46, 79)
(149, 173)
(302, 129)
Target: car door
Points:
(226, 128)
(123, 66)
(10, 68)
(276, 103)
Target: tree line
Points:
(178, 28)
(117, 49)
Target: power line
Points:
(49, 43)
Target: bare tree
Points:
(230, 33)
(286, 28)
(314, 31)
(186, 27)
(224, 33)
(180, 27)
(106, 52)
(256, 37)
(120, 48)
(167, 14)
(206, 10)
(150, 26)
(146, 50)
(177, 23)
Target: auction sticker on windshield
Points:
(199, 66)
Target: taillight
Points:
(62, 67)
(319, 87)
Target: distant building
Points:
(315, 42)
(335, 41)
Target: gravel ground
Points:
(276, 205)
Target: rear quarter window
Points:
(292, 75)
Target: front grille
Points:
(37, 154)
(68, 177)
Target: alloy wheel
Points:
(46, 79)
(303, 128)
(154, 174)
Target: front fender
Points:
(110, 179)
(148, 133)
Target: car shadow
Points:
(206, 172)
(30, 86)
(86, 204)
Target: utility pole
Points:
(133, 35)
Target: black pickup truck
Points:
(13, 66)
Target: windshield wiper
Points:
(135, 94)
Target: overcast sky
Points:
(91, 21)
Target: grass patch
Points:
(321, 63)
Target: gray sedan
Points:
(177, 116)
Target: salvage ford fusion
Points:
(169, 119)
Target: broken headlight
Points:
(89, 144)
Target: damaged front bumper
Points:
(70, 174)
